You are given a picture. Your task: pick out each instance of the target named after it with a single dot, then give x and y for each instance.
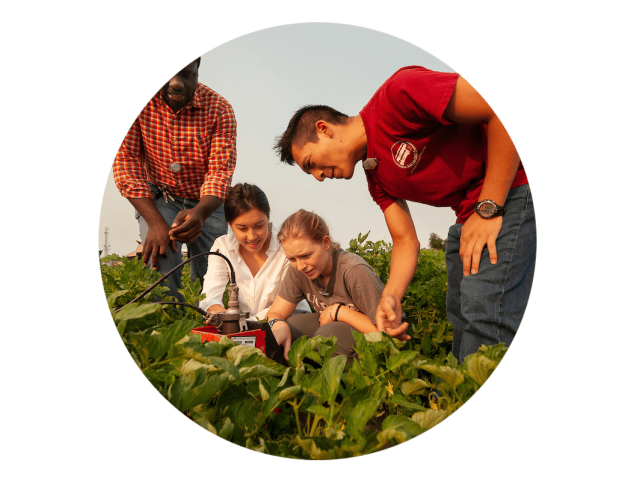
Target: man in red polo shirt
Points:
(429, 137)
(175, 167)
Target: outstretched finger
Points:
(476, 256)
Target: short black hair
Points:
(302, 129)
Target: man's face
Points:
(178, 91)
(328, 158)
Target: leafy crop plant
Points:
(317, 407)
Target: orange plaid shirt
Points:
(201, 137)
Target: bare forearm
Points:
(207, 205)
(280, 308)
(404, 260)
(147, 209)
(502, 163)
(357, 320)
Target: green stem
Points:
(157, 364)
(459, 399)
(331, 416)
(316, 421)
(295, 410)
(308, 424)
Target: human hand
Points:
(214, 309)
(187, 226)
(476, 233)
(325, 315)
(389, 318)
(282, 333)
(155, 243)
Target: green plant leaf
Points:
(226, 431)
(359, 416)
(415, 386)
(480, 367)
(113, 298)
(402, 424)
(429, 418)
(401, 358)
(195, 388)
(322, 412)
(449, 375)
(288, 393)
(297, 351)
(315, 453)
(256, 371)
(402, 401)
(331, 375)
(136, 310)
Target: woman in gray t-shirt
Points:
(340, 286)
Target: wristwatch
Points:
(271, 322)
(489, 209)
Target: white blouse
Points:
(256, 294)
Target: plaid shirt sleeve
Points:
(128, 171)
(222, 157)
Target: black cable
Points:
(197, 309)
(232, 274)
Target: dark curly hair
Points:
(302, 129)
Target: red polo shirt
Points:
(421, 156)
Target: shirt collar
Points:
(196, 101)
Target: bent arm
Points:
(357, 320)
(280, 308)
(467, 106)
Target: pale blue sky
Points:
(268, 75)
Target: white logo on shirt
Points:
(405, 154)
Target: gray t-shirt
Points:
(352, 282)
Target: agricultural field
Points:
(317, 407)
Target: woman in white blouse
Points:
(253, 250)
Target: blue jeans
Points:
(486, 308)
(212, 228)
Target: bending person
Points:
(253, 250)
(340, 285)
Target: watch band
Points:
(488, 209)
(271, 322)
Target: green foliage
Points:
(320, 406)
(425, 301)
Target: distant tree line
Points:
(437, 243)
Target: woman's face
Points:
(251, 229)
(309, 257)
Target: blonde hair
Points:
(305, 224)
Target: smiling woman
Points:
(253, 250)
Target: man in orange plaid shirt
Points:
(175, 167)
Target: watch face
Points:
(486, 209)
